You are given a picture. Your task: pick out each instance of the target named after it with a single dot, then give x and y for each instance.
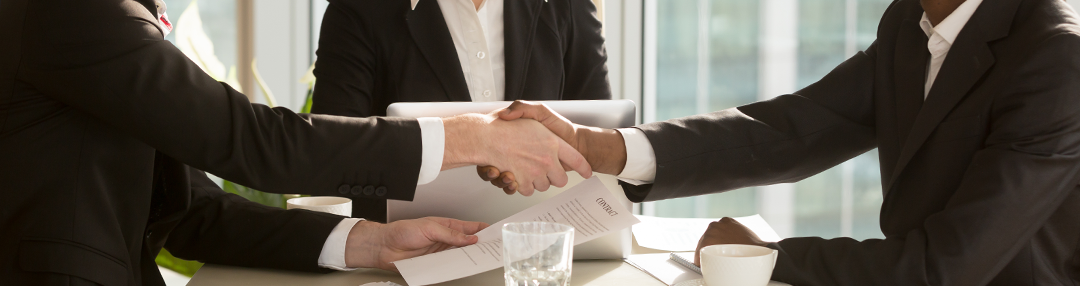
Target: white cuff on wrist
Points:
(333, 250)
(640, 158)
(433, 138)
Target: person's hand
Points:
(603, 149)
(376, 245)
(726, 231)
(533, 153)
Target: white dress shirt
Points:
(641, 160)
(943, 36)
(478, 39)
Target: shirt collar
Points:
(949, 28)
(418, 1)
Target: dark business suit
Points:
(100, 119)
(376, 52)
(980, 180)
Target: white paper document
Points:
(661, 267)
(682, 234)
(589, 207)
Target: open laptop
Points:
(461, 194)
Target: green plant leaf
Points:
(309, 79)
(307, 102)
(273, 200)
(184, 267)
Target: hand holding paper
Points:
(372, 244)
(589, 207)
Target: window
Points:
(707, 55)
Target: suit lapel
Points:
(520, 19)
(910, 67)
(432, 37)
(968, 59)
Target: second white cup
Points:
(334, 205)
(737, 265)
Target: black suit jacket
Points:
(980, 180)
(376, 52)
(100, 119)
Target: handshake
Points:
(527, 147)
(521, 148)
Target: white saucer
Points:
(695, 282)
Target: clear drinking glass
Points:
(537, 253)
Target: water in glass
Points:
(537, 278)
(537, 253)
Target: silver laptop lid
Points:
(599, 113)
(461, 194)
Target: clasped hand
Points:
(580, 148)
(532, 146)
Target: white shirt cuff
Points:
(433, 138)
(333, 250)
(640, 166)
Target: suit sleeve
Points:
(223, 228)
(1030, 165)
(346, 66)
(115, 67)
(786, 139)
(586, 56)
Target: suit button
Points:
(343, 189)
(381, 191)
(356, 190)
(368, 190)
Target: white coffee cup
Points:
(334, 205)
(737, 265)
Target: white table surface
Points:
(585, 273)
